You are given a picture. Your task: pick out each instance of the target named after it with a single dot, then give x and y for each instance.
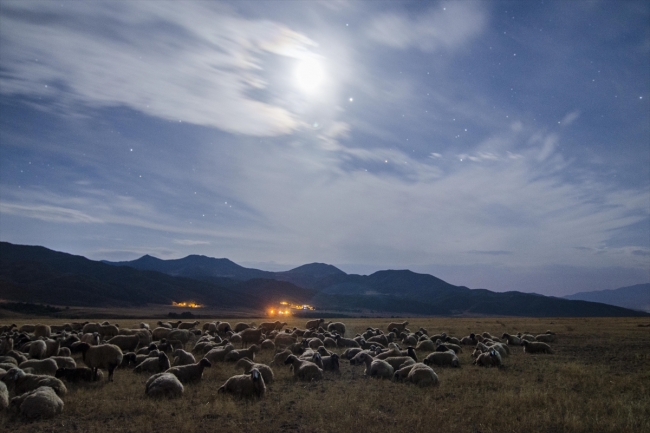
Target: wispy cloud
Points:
(197, 65)
(190, 242)
(48, 213)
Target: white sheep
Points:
(245, 385)
(337, 327)
(536, 347)
(248, 365)
(488, 359)
(191, 372)
(545, 338)
(303, 369)
(37, 349)
(164, 385)
(41, 403)
(399, 326)
(448, 358)
(236, 355)
(155, 364)
(4, 396)
(22, 382)
(419, 374)
(182, 357)
(41, 366)
(105, 356)
(251, 335)
(41, 330)
(314, 324)
(374, 367)
(511, 339)
(219, 354)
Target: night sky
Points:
(497, 145)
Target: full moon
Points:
(309, 75)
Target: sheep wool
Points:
(41, 403)
(250, 385)
(4, 396)
(164, 385)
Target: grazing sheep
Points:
(165, 325)
(37, 349)
(40, 403)
(182, 357)
(223, 328)
(303, 369)
(374, 367)
(337, 327)
(4, 396)
(267, 345)
(488, 359)
(160, 332)
(188, 325)
(314, 324)
(108, 331)
(42, 331)
(22, 382)
(399, 326)
(272, 326)
(219, 354)
(77, 374)
(285, 340)
(40, 366)
(164, 385)
(245, 385)
(236, 355)
(154, 364)
(105, 356)
(240, 326)
(280, 357)
(251, 335)
(536, 347)
(248, 365)
(511, 339)
(183, 335)
(447, 358)
(191, 372)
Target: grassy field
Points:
(598, 380)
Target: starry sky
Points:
(497, 145)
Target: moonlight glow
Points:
(309, 75)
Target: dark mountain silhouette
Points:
(636, 297)
(36, 274)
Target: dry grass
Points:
(597, 381)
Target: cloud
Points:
(190, 242)
(195, 64)
(570, 118)
(55, 214)
(445, 27)
(491, 253)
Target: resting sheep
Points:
(511, 339)
(399, 326)
(40, 366)
(154, 364)
(374, 367)
(536, 347)
(488, 359)
(22, 382)
(191, 372)
(41, 403)
(245, 385)
(447, 358)
(304, 370)
(219, 354)
(182, 357)
(164, 385)
(264, 369)
(105, 356)
(419, 374)
(236, 355)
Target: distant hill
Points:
(39, 275)
(635, 297)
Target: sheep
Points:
(128, 359)
(447, 358)
(191, 372)
(188, 325)
(251, 335)
(267, 345)
(37, 349)
(545, 338)
(160, 333)
(248, 365)
(350, 353)
(154, 364)
(346, 342)
(91, 338)
(40, 366)
(40, 403)
(331, 362)
(419, 374)
(304, 370)
(18, 356)
(526, 337)
(337, 327)
(183, 335)
(77, 374)
(400, 361)
(314, 324)
(536, 347)
(51, 347)
(108, 331)
(4, 396)
(399, 326)
(236, 355)
(426, 346)
(27, 328)
(374, 367)
(104, 356)
(165, 325)
(511, 339)
(239, 327)
(219, 355)
(280, 357)
(245, 385)
(223, 327)
(285, 340)
(164, 385)
(182, 357)
(6, 345)
(488, 359)
(22, 382)
(64, 352)
(470, 340)
(272, 326)
(129, 343)
(42, 330)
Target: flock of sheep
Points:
(36, 361)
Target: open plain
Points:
(598, 380)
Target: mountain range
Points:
(37, 274)
(636, 297)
